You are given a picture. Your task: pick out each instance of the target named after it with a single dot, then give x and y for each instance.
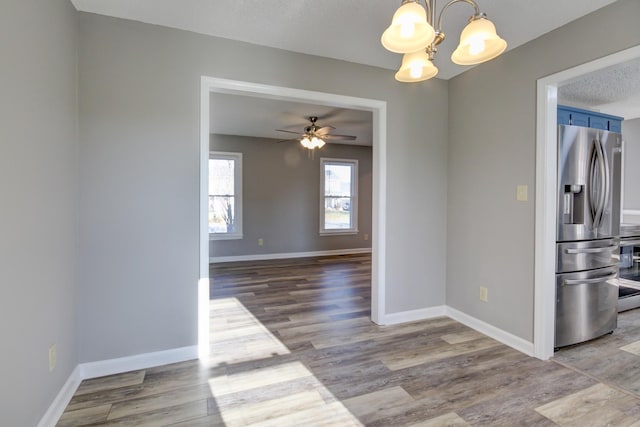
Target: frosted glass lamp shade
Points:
(416, 67)
(409, 30)
(311, 143)
(479, 42)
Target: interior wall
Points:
(38, 218)
(139, 106)
(492, 121)
(631, 137)
(281, 196)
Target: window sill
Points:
(225, 237)
(338, 232)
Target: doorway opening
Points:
(376, 107)
(545, 214)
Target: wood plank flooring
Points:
(292, 345)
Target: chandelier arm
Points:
(446, 6)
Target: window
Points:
(225, 195)
(339, 196)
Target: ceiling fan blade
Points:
(287, 140)
(324, 130)
(288, 131)
(330, 137)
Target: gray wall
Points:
(139, 106)
(492, 120)
(281, 196)
(631, 137)
(38, 213)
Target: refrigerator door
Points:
(586, 255)
(586, 305)
(589, 165)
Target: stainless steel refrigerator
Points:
(588, 228)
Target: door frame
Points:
(545, 211)
(379, 176)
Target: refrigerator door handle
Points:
(603, 182)
(589, 281)
(593, 195)
(591, 250)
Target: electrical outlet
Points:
(484, 294)
(366, 237)
(260, 242)
(53, 357)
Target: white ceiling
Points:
(614, 90)
(261, 117)
(350, 30)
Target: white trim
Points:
(546, 144)
(631, 212)
(225, 236)
(101, 368)
(379, 215)
(491, 331)
(414, 315)
(285, 255)
(504, 337)
(138, 361)
(59, 404)
(237, 159)
(378, 109)
(203, 259)
(622, 172)
(545, 221)
(353, 208)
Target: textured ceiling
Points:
(349, 30)
(614, 90)
(260, 117)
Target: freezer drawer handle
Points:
(629, 242)
(592, 250)
(589, 281)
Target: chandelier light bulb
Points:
(416, 67)
(409, 30)
(416, 71)
(479, 43)
(476, 46)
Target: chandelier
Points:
(413, 33)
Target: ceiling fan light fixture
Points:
(416, 67)
(479, 42)
(312, 142)
(409, 30)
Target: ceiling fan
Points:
(315, 136)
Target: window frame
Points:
(353, 163)
(237, 190)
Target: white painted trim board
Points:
(85, 371)
(545, 220)
(285, 255)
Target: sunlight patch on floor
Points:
(258, 389)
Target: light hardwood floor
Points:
(292, 345)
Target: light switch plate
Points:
(522, 193)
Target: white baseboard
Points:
(413, 315)
(51, 417)
(101, 368)
(285, 255)
(138, 361)
(497, 334)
